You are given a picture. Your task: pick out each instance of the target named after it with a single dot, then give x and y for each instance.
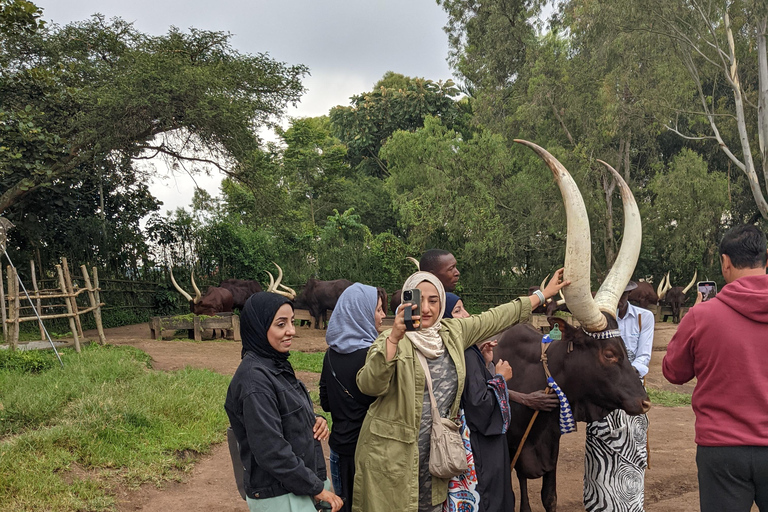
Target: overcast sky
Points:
(347, 45)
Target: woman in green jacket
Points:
(392, 457)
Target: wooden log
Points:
(72, 299)
(52, 317)
(96, 296)
(198, 328)
(236, 328)
(2, 309)
(94, 305)
(72, 325)
(39, 303)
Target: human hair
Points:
(430, 260)
(745, 245)
(381, 293)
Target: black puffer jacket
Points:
(271, 414)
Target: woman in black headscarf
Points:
(272, 416)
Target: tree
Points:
(95, 88)
(396, 103)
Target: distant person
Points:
(616, 447)
(443, 265)
(272, 415)
(723, 343)
(486, 486)
(354, 324)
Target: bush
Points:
(26, 361)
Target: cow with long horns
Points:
(589, 365)
(215, 300)
(674, 296)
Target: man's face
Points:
(623, 300)
(447, 272)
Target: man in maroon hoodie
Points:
(724, 344)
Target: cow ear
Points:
(561, 323)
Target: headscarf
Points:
(428, 341)
(450, 302)
(353, 324)
(255, 320)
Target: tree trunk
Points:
(762, 99)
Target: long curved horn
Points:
(289, 292)
(178, 288)
(198, 295)
(577, 246)
(543, 283)
(660, 287)
(271, 286)
(607, 297)
(414, 261)
(562, 298)
(695, 274)
(666, 288)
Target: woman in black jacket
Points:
(272, 416)
(354, 324)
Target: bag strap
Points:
(428, 377)
(333, 372)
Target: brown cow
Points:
(674, 296)
(590, 363)
(644, 295)
(319, 296)
(241, 290)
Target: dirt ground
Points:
(671, 484)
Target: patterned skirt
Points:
(614, 464)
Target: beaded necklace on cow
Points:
(545, 343)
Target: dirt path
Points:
(671, 484)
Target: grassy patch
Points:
(669, 398)
(68, 436)
(28, 361)
(307, 361)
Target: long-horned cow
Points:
(674, 296)
(590, 363)
(215, 300)
(644, 295)
(241, 290)
(319, 296)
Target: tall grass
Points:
(68, 436)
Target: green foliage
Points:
(307, 361)
(26, 361)
(65, 433)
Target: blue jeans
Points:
(335, 473)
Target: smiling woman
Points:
(272, 415)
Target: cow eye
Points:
(610, 355)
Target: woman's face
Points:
(430, 304)
(458, 310)
(280, 333)
(379, 314)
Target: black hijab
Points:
(255, 320)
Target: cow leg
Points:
(525, 505)
(549, 491)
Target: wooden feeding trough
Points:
(195, 324)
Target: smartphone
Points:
(410, 297)
(708, 289)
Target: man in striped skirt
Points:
(616, 453)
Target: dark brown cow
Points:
(215, 300)
(241, 290)
(320, 296)
(675, 296)
(596, 377)
(644, 295)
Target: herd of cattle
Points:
(319, 297)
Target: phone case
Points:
(409, 312)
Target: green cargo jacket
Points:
(387, 456)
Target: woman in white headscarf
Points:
(392, 457)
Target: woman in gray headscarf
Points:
(354, 324)
(392, 457)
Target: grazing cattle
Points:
(589, 364)
(241, 290)
(215, 300)
(674, 296)
(320, 296)
(644, 295)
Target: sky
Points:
(348, 45)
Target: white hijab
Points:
(428, 341)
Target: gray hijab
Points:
(352, 325)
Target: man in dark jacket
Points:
(724, 344)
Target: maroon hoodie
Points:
(724, 344)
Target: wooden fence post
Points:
(39, 302)
(16, 312)
(73, 297)
(2, 309)
(97, 296)
(94, 305)
(73, 328)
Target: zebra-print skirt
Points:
(615, 462)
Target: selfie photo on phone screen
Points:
(708, 289)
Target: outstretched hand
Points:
(555, 284)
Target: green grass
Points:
(68, 436)
(307, 361)
(669, 398)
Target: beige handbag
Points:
(447, 456)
